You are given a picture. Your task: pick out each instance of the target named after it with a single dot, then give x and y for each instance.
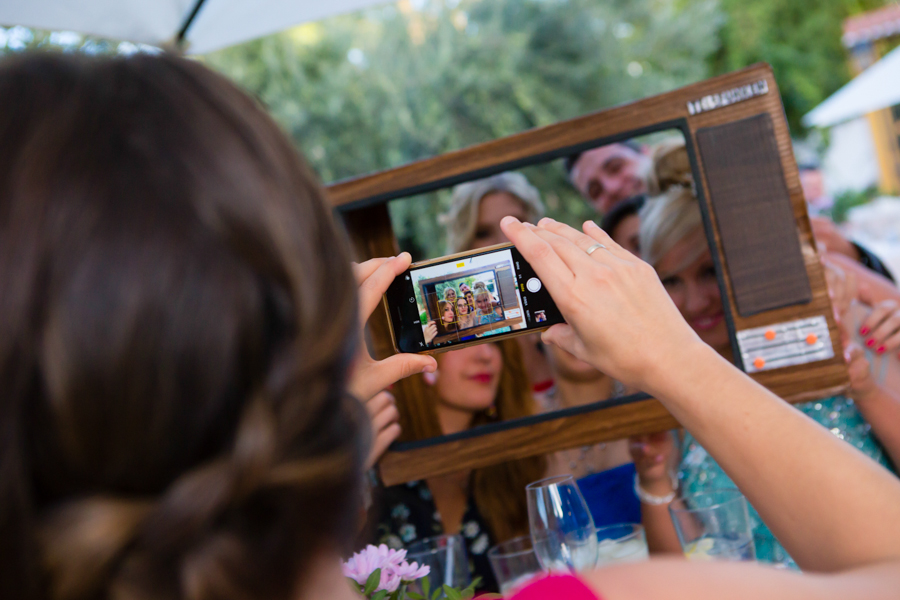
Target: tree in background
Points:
(378, 89)
(387, 86)
(801, 39)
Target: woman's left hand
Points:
(371, 376)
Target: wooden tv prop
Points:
(777, 307)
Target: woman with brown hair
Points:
(178, 324)
(473, 386)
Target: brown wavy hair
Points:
(177, 318)
(498, 490)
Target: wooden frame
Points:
(362, 204)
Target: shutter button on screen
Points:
(533, 285)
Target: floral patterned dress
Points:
(407, 513)
(700, 472)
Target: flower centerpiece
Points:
(380, 573)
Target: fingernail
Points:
(429, 369)
(529, 225)
(880, 349)
(508, 220)
(863, 330)
(870, 342)
(591, 224)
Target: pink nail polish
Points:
(863, 330)
(870, 342)
(881, 349)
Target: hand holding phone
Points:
(370, 376)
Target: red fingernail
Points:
(863, 330)
(881, 349)
(870, 342)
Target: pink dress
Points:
(563, 587)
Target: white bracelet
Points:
(648, 498)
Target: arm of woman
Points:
(829, 505)
(685, 580)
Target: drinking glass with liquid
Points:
(714, 525)
(621, 543)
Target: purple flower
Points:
(394, 569)
(364, 563)
(390, 581)
(411, 571)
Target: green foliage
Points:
(375, 90)
(844, 201)
(372, 582)
(801, 39)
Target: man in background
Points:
(609, 174)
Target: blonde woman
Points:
(673, 241)
(450, 294)
(473, 221)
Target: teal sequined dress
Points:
(699, 472)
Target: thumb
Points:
(852, 352)
(401, 366)
(563, 336)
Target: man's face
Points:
(609, 174)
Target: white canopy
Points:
(200, 25)
(875, 88)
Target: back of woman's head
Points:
(177, 318)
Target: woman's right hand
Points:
(619, 317)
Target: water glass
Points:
(562, 530)
(447, 558)
(714, 525)
(625, 542)
(514, 563)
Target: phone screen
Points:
(463, 299)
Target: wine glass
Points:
(562, 530)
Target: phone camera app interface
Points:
(467, 299)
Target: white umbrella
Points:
(875, 88)
(197, 25)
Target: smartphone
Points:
(465, 299)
